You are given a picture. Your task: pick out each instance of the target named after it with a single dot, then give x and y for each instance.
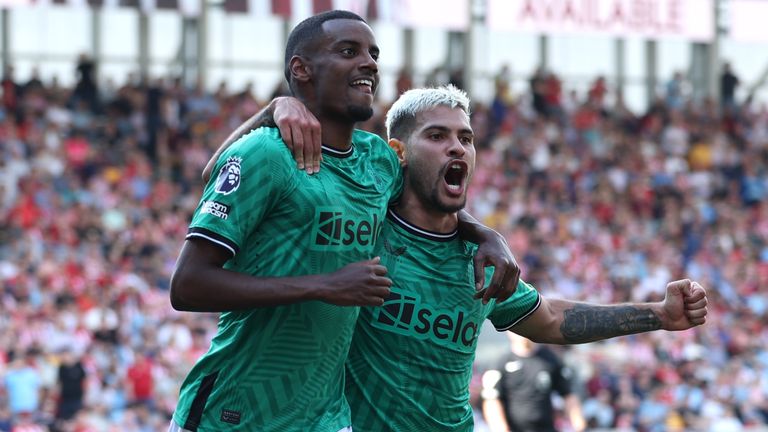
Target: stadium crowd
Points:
(598, 203)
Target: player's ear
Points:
(300, 70)
(399, 148)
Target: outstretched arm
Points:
(199, 283)
(566, 322)
(492, 251)
(299, 129)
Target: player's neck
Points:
(416, 213)
(336, 135)
(334, 132)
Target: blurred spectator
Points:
(598, 412)
(436, 77)
(24, 385)
(518, 392)
(538, 87)
(456, 77)
(11, 91)
(598, 203)
(86, 91)
(675, 92)
(404, 81)
(5, 418)
(141, 381)
(729, 82)
(597, 91)
(70, 385)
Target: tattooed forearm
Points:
(585, 323)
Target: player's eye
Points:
(466, 140)
(375, 55)
(349, 52)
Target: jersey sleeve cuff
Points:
(533, 308)
(202, 233)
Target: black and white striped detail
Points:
(330, 151)
(522, 317)
(213, 237)
(421, 232)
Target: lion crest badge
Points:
(229, 176)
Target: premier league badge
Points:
(229, 176)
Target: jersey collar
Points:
(330, 151)
(420, 232)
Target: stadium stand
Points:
(597, 202)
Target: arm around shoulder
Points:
(493, 250)
(262, 118)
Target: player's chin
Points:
(360, 112)
(452, 204)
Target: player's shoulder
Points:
(371, 142)
(259, 145)
(264, 138)
(373, 148)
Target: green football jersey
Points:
(282, 368)
(410, 362)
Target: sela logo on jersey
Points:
(215, 208)
(407, 315)
(229, 176)
(333, 230)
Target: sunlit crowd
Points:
(598, 203)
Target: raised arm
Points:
(299, 129)
(200, 284)
(566, 322)
(492, 251)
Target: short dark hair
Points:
(309, 31)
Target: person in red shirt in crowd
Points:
(61, 232)
(141, 381)
(597, 91)
(10, 90)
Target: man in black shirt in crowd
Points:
(518, 393)
(71, 385)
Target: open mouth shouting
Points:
(455, 177)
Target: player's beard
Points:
(359, 113)
(427, 189)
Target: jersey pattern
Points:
(410, 362)
(282, 368)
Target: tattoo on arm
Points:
(585, 323)
(264, 118)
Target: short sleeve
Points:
(522, 304)
(249, 179)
